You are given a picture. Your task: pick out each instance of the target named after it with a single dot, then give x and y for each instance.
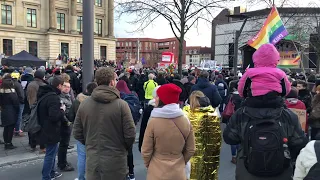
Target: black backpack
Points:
(314, 172)
(265, 148)
(31, 121)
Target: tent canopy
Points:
(23, 58)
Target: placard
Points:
(302, 116)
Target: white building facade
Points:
(47, 28)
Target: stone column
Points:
(111, 18)
(19, 14)
(106, 20)
(52, 16)
(74, 17)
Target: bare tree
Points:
(181, 15)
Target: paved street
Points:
(32, 170)
(31, 163)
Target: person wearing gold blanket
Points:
(206, 126)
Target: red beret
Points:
(169, 93)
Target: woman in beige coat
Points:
(169, 139)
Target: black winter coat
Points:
(9, 104)
(261, 108)
(306, 97)
(74, 81)
(183, 95)
(187, 86)
(50, 115)
(144, 123)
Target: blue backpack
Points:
(134, 105)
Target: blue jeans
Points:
(81, 150)
(18, 124)
(234, 149)
(49, 161)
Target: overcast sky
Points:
(200, 36)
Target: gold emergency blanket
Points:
(206, 127)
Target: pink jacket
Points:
(265, 76)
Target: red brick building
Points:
(150, 49)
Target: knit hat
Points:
(293, 93)
(28, 70)
(169, 93)
(39, 74)
(266, 56)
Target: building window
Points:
(79, 24)
(103, 52)
(31, 18)
(64, 51)
(98, 27)
(33, 48)
(79, 1)
(61, 22)
(6, 14)
(98, 3)
(7, 47)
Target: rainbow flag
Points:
(298, 58)
(272, 31)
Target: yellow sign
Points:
(287, 59)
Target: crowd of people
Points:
(179, 116)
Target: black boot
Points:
(9, 146)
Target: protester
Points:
(66, 128)
(146, 116)
(208, 89)
(160, 79)
(188, 85)
(111, 134)
(133, 80)
(9, 103)
(31, 94)
(81, 149)
(236, 100)
(74, 81)
(50, 115)
(304, 95)
(314, 117)
(133, 101)
(269, 134)
(265, 76)
(149, 87)
(308, 158)
(19, 90)
(201, 114)
(168, 142)
(223, 90)
(292, 102)
(183, 95)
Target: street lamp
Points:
(236, 39)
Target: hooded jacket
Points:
(50, 115)
(74, 81)
(168, 143)
(209, 90)
(264, 77)
(268, 106)
(306, 159)
(104, 124)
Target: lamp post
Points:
(236, 39)
(88, 38)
